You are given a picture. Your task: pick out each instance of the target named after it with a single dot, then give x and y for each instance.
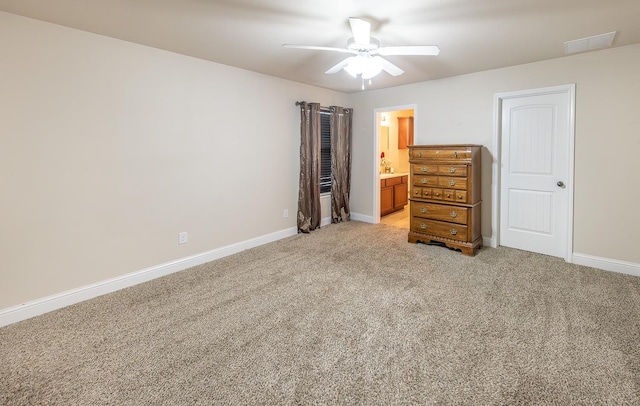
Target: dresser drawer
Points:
(424, 181)
(441, 154)
(439, 228)
(455, 214)
(449, 195)
(460, 196)
(425, 169)
(421, 192)
(452, 170)
(452, 183)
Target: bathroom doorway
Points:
(395, 128)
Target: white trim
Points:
(376, 143)
(325, 203)
(607, 264)
(490, 241)
(363, 218)
(44, 305)
(495, 170)
(570, 89)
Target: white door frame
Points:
(376, 158)
(497, 147)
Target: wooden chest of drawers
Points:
(445, 196)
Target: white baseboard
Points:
(325, 221)
(488, 242)
(607, 264)
(362, 217)
(44, 305)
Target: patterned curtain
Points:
(340, 163)
(309, 191)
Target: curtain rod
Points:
(299, 103)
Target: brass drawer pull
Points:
(455, 154)
(423, 180)
(448, 195)
(423, 210)
(420, 153)
(452, 170)
(425, 169)
(452, 183)
(454, 214)
(459, 196)
(453, 232)
(423, 226)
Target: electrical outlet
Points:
(183, 237)
(285, 213)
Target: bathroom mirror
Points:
(384, 135)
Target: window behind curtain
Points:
(325, 151)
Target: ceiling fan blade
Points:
(315, 48)
(388, 67)
(409, 50)
(361, 31)
(336, 68)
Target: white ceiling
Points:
(473, 35)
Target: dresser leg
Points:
(468, 251)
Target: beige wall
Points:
(108, 149)
(460, 110)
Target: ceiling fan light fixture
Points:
(363, 65)
(372, 68)
(354, 67)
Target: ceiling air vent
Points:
(589, 43)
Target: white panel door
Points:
(534, 173)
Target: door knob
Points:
(560, 183)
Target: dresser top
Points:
(444, 146)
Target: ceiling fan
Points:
(367, 60)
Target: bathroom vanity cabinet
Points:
(393, 193)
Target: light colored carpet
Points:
(349, 314)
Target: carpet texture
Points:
(349, 314)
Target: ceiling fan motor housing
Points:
(373, 44)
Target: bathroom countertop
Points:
(393, 175)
